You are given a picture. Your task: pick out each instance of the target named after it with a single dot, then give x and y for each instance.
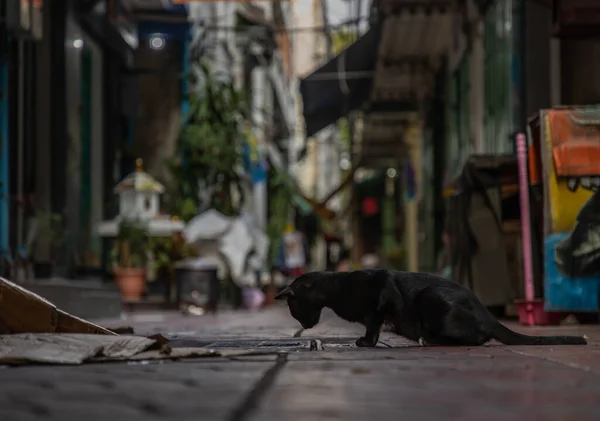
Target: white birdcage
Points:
(139, 199)
(139, 195)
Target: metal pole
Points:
(526, 227)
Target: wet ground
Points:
(313, 375)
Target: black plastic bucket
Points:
(199, 287)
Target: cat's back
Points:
(356, 294)
(413, 282)
(369, 283)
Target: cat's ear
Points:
(287, 292)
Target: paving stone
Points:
(130, 391)
(397, 380)
(506, 388)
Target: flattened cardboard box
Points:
(22, 311)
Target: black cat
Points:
(421, 307)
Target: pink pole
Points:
(525, 225)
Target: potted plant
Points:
(129, 259)
(49, 232)
(166, 252)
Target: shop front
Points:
(20, 30)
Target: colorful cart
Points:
(564, 164)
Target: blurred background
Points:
(201, 154)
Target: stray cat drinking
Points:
(421, 307)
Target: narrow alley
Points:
(312, 375)
(168, 168)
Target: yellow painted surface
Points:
(564, 203)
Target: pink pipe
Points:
(525, 225)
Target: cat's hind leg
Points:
(448, 320)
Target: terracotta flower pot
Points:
(132, 282)
(271, 292)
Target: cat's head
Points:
(305, 299)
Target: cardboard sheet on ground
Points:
(33, 330)
(68, 348)
(48, 348)
(22, 311)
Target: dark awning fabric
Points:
(324, 102)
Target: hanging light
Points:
(157, 42)
(78, 43)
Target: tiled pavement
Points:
(397, 381)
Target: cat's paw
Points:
(365, 343)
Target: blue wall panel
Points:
(562, 293)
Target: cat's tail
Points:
(503, 334)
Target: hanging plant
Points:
(207, 171)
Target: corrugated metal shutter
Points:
(498, 42)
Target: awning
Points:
(327, 95)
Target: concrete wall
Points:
(159, 119)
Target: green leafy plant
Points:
(208, 167)
(169, 250)
(132, 245)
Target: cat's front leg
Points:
(371, 337)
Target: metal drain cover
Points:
(279, 344)
(292, 344)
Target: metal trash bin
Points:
(197, 284)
